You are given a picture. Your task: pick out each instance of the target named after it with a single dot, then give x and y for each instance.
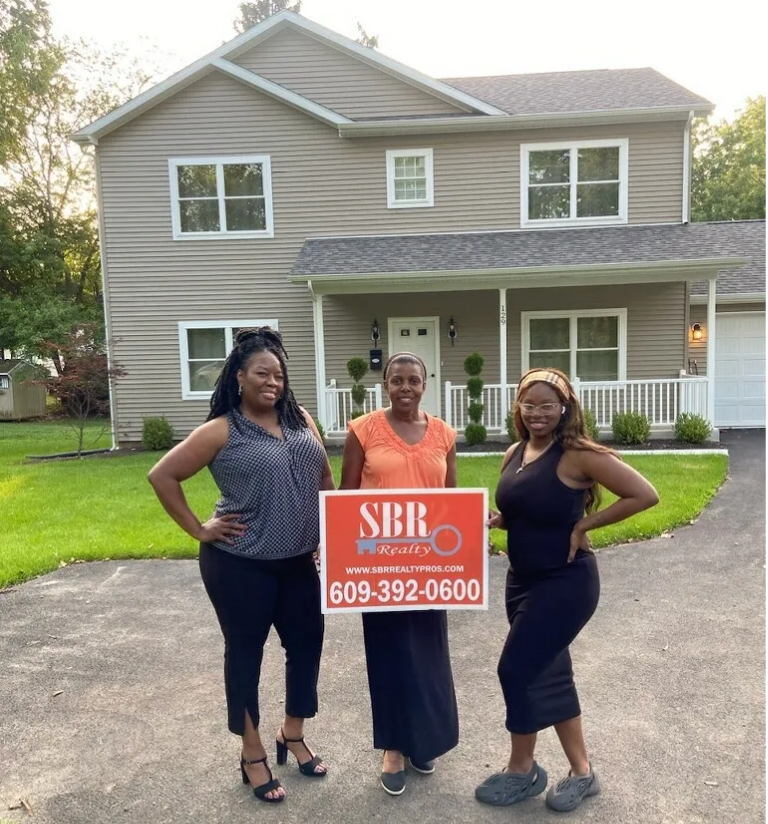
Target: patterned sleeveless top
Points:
(274, 485)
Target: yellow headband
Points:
(544, 376)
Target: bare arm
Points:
(352, 463)
(451, 475)
(182, 462)
(327, 482)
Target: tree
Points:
(365, 39)
(728, 181)
(253, 13)
(29, 58)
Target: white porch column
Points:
(711, 344)
(317, 323)
(503, 355)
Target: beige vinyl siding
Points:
(322, 185)
(338, 81)
(697, 350)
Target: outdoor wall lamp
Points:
(452, 330)
(375, 331)
(697, 333)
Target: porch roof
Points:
(744, 237)
(517, 259)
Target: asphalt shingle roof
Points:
(545, 248)
(7, 365)
(584, 91)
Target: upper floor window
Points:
(221, 197)
(575, 183)
(203, 348)
(410, 180)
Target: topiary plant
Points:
(631, 428)
(590, 423)
(510, 425)
(357, 369)
(156, 433)
(475, 432)
(690, 428)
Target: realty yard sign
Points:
(397, 549)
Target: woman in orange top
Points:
(409, 668)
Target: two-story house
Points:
(295, 178)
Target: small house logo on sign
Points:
(388, 528)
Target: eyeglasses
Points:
(546, 408)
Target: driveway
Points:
(113, 707)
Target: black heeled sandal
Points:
(308, 767)
(261, 791)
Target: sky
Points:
(717, 52)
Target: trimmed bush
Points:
(473, 364)
(358, 394)
(690, 428)
(321, 430)
(357, 369)
(590, 422)
(156, 433)
(475, 433)
(475, 388)
(631, 428)
(510, 425)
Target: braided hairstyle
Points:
(405, 357)
(226, 395)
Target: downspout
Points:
(687, 170)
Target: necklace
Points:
(524, 463)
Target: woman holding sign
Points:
(409, 667)
(256, 551)
(548, 499)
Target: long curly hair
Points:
(226, 395)
(571, 430)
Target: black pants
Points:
(250, 596)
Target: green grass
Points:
(100, 508)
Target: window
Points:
(582, 183)
(590, 345)
(204, 346)
(4, 382)
(410, 178)
(221, 197)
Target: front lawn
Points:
(103, 508)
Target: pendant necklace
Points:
(524, 463)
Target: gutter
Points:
(738, 297)
(687, 169)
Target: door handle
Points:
(432, 375)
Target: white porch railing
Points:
(660, 400)
(339, 406)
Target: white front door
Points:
(740, 370)
(420, 336)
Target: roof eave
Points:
(735, 297)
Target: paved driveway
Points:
(113, 708)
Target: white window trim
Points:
(621, 314)
(219, 161)
(427, 154)
(573, 146)
(228, 325)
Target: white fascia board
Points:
(274, 90)
(740, 297)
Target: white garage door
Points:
(740, 370)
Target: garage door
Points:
(740, 370)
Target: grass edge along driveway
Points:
(94, 509)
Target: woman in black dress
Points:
(548, 499)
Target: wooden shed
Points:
(18, 398)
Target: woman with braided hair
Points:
(548, 499)
(257, 549)
(409, 666)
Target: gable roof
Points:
(743, 237)
(7, 366)
(218, 60)
(582, 91)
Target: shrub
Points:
(475, 387)
(473, 364)
(357, 369)
(590, 422)
(358, 394)
(631, 428)
(475, 433)
(510, 425)
(157, 433)
(690, 428)
(320, 430)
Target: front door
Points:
(420, 336)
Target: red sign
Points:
(395, 549)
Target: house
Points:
(295, 178)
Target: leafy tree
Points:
(253, 13)
(29, 58)
(728, 181)
(365, 39)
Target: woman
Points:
(409, 667)
(548, 498)
(256, 551)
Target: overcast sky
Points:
(719, 54)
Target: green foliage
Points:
(728, 180)
(590, 422)
(631, 428)
(251, 14)
(690, 428)
(357, 369)
(320, 429)
(475, 434)
(475, 411)
(473, 364)
(156, 433)
(475, 388)
(356, 414)
(509, 424)
(359, 393)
